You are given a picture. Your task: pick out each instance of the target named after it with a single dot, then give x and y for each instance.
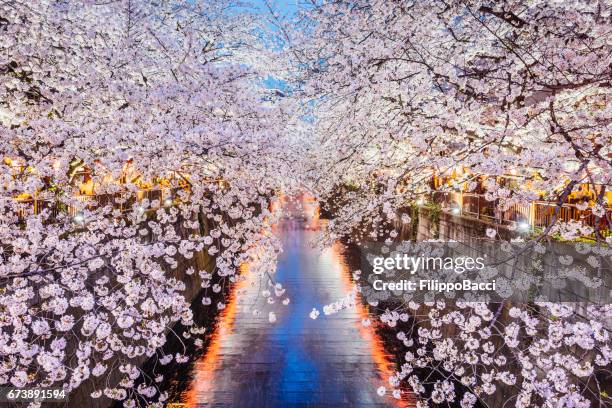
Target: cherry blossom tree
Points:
(403, 91)
(136, 139)
(406, 90)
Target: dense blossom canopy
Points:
(134, 137)
(138, 136)
(403, 91)
(409, 89)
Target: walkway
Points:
(296, 361)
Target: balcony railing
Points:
(536, 214)
(117, 200)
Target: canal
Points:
(333, 360)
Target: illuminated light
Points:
(420, 201)
(168, 201)
(6, 118)
(524, 226)
(79, 218)
(87, 188)
(455, 211)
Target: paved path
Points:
(296, 361)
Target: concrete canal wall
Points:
(430, 223)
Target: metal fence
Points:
(118, 201)
(545, 214)
(536, 214)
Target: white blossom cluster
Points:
(538, 355)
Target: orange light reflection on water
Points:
(203, 382)
(383, 361)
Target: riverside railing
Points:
(536, 214)
(119, 201)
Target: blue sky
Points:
(285, 7)
(286, 10)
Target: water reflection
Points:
(204, 369)
(383, 361)
(296, 361)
